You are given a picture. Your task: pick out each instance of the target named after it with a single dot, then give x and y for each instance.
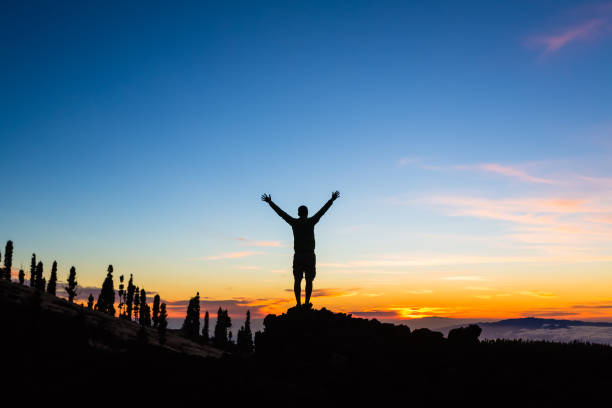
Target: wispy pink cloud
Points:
(582, 219)
(552, 43)
(534, 211)
(570, 219)
(605, 219)
(504, 170)
(512, 172)
(602, 182)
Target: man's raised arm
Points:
(324, 209)
(268, 199)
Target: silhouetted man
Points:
(304, 259)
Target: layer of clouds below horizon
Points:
(591, 334)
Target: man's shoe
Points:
(307, 306)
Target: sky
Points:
(471, 143)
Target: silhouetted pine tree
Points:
(224, 322)
(244, 338)
(145, 311)
(240, 339)
(205, 330)
(121, 295)
(136, 303)
(106, 299)
(52, 279)
(90, 301)
(227, 319)
(21, 277)
(156, 311)
(163, 323)
(145, 315)
(8, 260)
(129, 299)
(40, 282)
(33, 271)
(72, 284)
(220, 333)
(191, 325)
(187, 315)
(196, 314)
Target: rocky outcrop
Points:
(465, 335)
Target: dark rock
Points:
(426, 337)
(465, 335)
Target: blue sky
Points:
(143, 135)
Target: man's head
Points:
(303, 211)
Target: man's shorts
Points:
(304, 264)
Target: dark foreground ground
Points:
(55, 352)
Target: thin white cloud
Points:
(229, 255)
(420, 291)
(463, 278)
(248, 267)
(251, 242)
(404, 161)
(432, 260)
(536, 293)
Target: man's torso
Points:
(303, 235)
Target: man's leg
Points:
(297, 288)
(311, 272)
(308, 290)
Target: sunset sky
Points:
(471, 143)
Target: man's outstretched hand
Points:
(335, 195)
(266, 197)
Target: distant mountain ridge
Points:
(536, 322)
